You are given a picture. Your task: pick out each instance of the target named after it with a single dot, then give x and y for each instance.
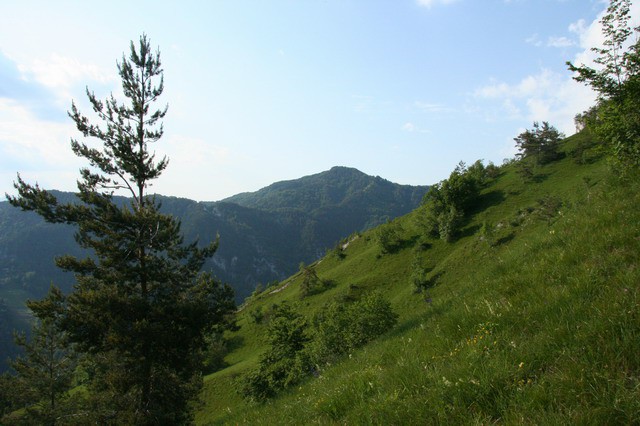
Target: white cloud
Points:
(408, 127)
(38, 149)
(534, 40)
(560, 42)
(23, 137)
(411, 128)
(429, 3)
(591, 35)
(429, 107)
(545, 96)
(60, 72)
(34, 130)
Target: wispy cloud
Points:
(16, 86)
(37, 148)
(34, 127)
(430, 3)
(547, 95)
(534, 40)
(410, 127)
(560, 42)
(552, 41)
(429, 107)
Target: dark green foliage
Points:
(487, 234)
(491, 171)
(9, 322)
(258, 290)
(260, 243)
(140, 309)
(586, 149)
(370, 317)
(256, 315)
(540, 144)
(389, 237)
(418, 274)
(338, 250)
(549, 208)
(215, 350)
(616, 118)
(284, 363)
(311, 283)
(10, 395)
(45, 372)
(297, 350)
(448, 202)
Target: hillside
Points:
(530, 316)
(257, 244)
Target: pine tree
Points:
(140, 308)
(539, 144)
(45, 371)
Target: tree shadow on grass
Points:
(505, 239)
(487, 200)
(235, 342)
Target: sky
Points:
(263, 91)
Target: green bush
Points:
(448, 202)
(285, 362)
(389, 237)
(340, 329)
(295, 351)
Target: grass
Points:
(542, 327)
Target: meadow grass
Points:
(542, 327)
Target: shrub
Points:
(447, 202)
(284, 363)
(389, 237)
(340, 328)
(294, 349)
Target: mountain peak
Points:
(334, 187)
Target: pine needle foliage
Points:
(140, 308)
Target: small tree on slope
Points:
(616, 80)
(140, 307)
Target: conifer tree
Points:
(45, 371)
(140, 308)
(539, 144)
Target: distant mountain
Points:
(340, 186)
(333, 204)
(264, 235)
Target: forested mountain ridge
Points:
(339, 186)
(259, 242)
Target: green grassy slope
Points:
(543, 327)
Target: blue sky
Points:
(261, 91)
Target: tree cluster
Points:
(448, 202)
(298, 348)
(141, 310)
